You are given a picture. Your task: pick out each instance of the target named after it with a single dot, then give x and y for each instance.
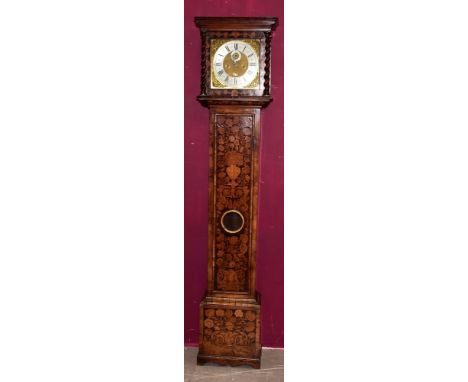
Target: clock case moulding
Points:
(230, 310)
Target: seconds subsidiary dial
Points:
(235, 65)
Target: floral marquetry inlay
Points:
(233, 192)
(232, 330)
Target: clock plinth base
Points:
(229, 361)
(230, 332)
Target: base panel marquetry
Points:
(230, 333)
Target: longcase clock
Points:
(235, 86)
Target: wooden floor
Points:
(272, 369)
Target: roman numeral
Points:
(236, 46)
(227, 48)
(218, 64)
(220, 55)
(245, 46)
(220, 72)
(250, 55)
(252, 64)
(226, 79)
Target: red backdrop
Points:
(270, 242)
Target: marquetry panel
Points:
(232, 202)
(231, 331)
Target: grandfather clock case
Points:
(235, 86)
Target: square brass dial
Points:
(237, 66)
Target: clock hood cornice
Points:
(261, 24)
